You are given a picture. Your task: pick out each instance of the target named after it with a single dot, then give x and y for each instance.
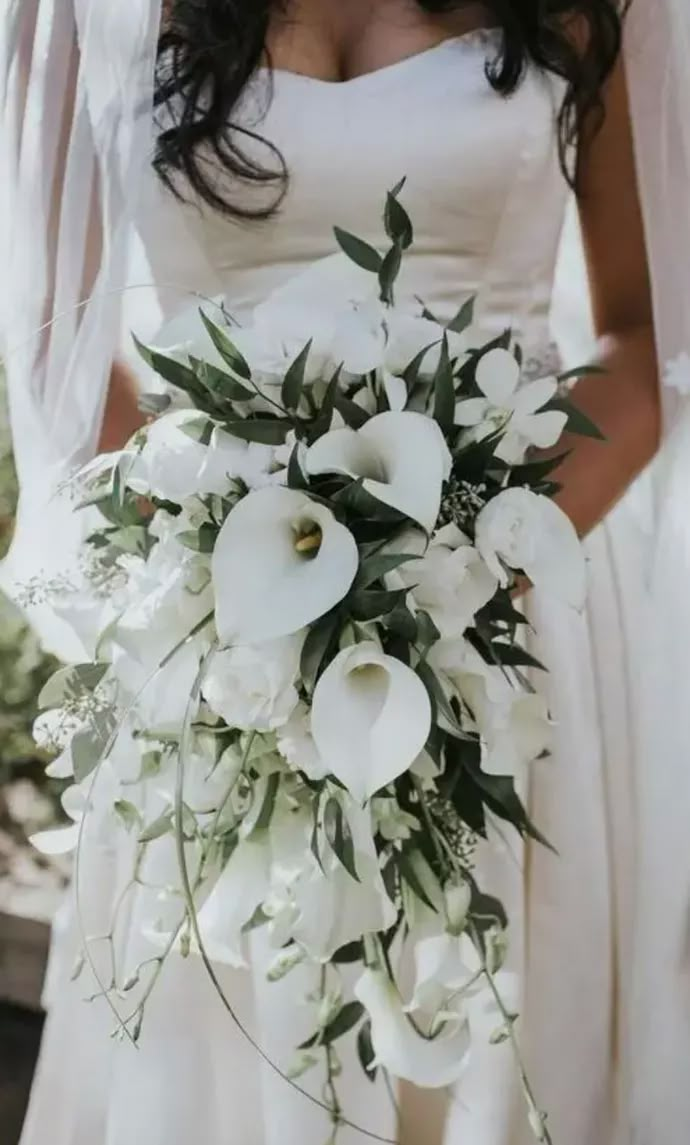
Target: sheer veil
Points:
(75, 137)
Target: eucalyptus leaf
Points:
(409, 875)
(265, 431)
(90, 745)
(296, 477)
(500, 796)
(366, 1052)
(226, 348)
(219, 383)
(293, 383)
(321, 636)
(388, 273)
(444, 390)
(464, 317)
(159, 827)
(199, 429)
(402, 623)
(439, 700)
(358, 251)
(427, 633)
(128, 814)
(201, 540)
(352, 414)
(339, 836)
(170, 370)
(347, 955)
(268, 806)
(397, 222)
(578, 422)
(374, 603)
(344, 1021)
(71, 683)
(376, 567)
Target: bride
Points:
(275, 120)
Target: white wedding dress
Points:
(487, 197)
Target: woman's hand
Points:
(624, 402)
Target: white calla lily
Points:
(402, 457)
(520, 529)
(240, 889)
(431, 1063)
(280, 562)
(507, 405)
(371, 717)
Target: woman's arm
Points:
(624, 402)
(122, 415)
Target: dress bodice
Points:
(484, 188)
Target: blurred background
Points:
(30, 886)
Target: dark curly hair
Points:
(209, 49)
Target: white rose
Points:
(519, 529)
(254, 688)
(173, 466)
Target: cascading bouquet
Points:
(308, 677)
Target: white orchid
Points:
(239, 891)
(451, 582)
(149, 647)
(253, 688)
(322, 907)
(429, 1062)
(335, 305)
(401, 456)
(174, 466)
(506, 405)
(514, 725)
(371, 717)
(281, 561)
(520, 529)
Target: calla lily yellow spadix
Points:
(280, 562)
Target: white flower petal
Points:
(344, 451)
(498, 376)
(396, 390)
(371, 717)
(416, 462)
(471, 411)
(399, 1048)
(359, 341)
(533, 396)
(265, 587)
(60, 841)
(528, 531)
(544, 429)
(239, 891)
